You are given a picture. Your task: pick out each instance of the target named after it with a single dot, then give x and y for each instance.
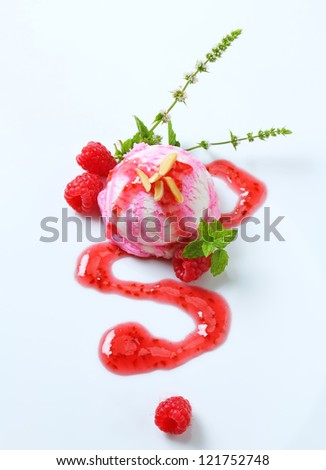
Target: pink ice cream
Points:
(141, 224)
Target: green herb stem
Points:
(261, 135)
(201, 66)
(176, 101)
(220, 143)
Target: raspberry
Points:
(81, 193)
(96, 159)
(173, 415)
(188, 269)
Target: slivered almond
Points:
(144, 180)
(158, 190)
(154, 177)
(174, 188)
(167, 163)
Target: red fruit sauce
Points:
(251, 191)
(129, 348)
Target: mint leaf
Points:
(142, 129)
(145, 135)
(214, 226)
(117, 152)
(202, 227)
(193, 249)
(172, 136)
(203, 230)
(219, 262)
(204, 233)
(207, 248)
(212, 239)
(224, 237)
(230, 235)
(125, 147)
(136, 139)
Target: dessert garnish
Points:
(173, 415)
(212, 239)
(159, 177)
(147, 182)
(128, 348)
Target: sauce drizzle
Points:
(129, 348)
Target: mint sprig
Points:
(180, 96)
(219, 262)
(172, 138)
(212, 239)
(142, 129)
(143, 135)
(250, 137)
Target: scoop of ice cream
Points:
(155, 198)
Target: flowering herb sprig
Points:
(250, 137)
(147, 135)
(180, 94)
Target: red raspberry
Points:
(189, 269)
(81, 193)
(96, 159)
(173, 415)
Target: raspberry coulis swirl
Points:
(129, 348)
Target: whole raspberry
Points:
(81, 193)
(173, 415)
(96, 159)
(189, 269)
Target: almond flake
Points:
(174, 189)
(154, 177)
(167, 163)
(158, 190)
(144, 179)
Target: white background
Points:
(74, 71)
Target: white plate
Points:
(67, 81)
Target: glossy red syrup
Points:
(129, 348)
(250, 190)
